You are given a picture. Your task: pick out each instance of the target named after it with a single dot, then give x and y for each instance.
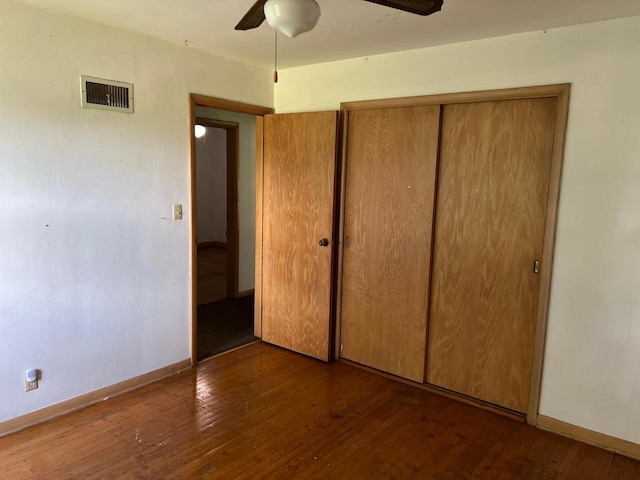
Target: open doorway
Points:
(217, 203)
(224, 168)
(249, 207)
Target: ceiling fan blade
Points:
(419, 7)
(253, 18)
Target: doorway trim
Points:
(559, 91)
(197, 100)
(232, 131)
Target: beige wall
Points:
(94, 273)
(592, 364)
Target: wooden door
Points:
(492, 195)
(391, 167)
(298, 212)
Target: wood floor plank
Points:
(623, 468)
(588, 463)
(477, 449)
(335, 449)
(262, 412)
(445, 449)
(554, 466)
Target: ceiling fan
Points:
(302, 15)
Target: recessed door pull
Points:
(347, 241)
(536, 266)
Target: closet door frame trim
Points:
(559, 91)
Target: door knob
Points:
(324, 242)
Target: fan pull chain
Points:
(275, 61)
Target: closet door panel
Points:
(298, 212)
(390, 181)
(492, 196)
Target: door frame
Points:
(559, 91)
(232, 131)
(197, 100)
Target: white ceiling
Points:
(347, 28)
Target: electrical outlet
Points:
(30, 380)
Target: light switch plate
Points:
(177, 212)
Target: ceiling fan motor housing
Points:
(292, 17)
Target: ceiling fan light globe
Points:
(200, 131)
(292, 17)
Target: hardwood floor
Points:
(263, 412)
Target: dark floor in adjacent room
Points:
(224, 325)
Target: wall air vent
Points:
(106, 94)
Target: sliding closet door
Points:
(298, 226)
(391, 165)
(492, 196)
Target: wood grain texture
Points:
(230, 105)
(212, 244)
(212, 274)
(262, 412)
(298, 211)
(342, 160)
(549, 245)
(83, 401)
(597, 439)
(441, 391)
(538, 91)
(193, 244)
(390, 184)
(490, 217)
(257, 309)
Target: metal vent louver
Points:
(106, 94)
